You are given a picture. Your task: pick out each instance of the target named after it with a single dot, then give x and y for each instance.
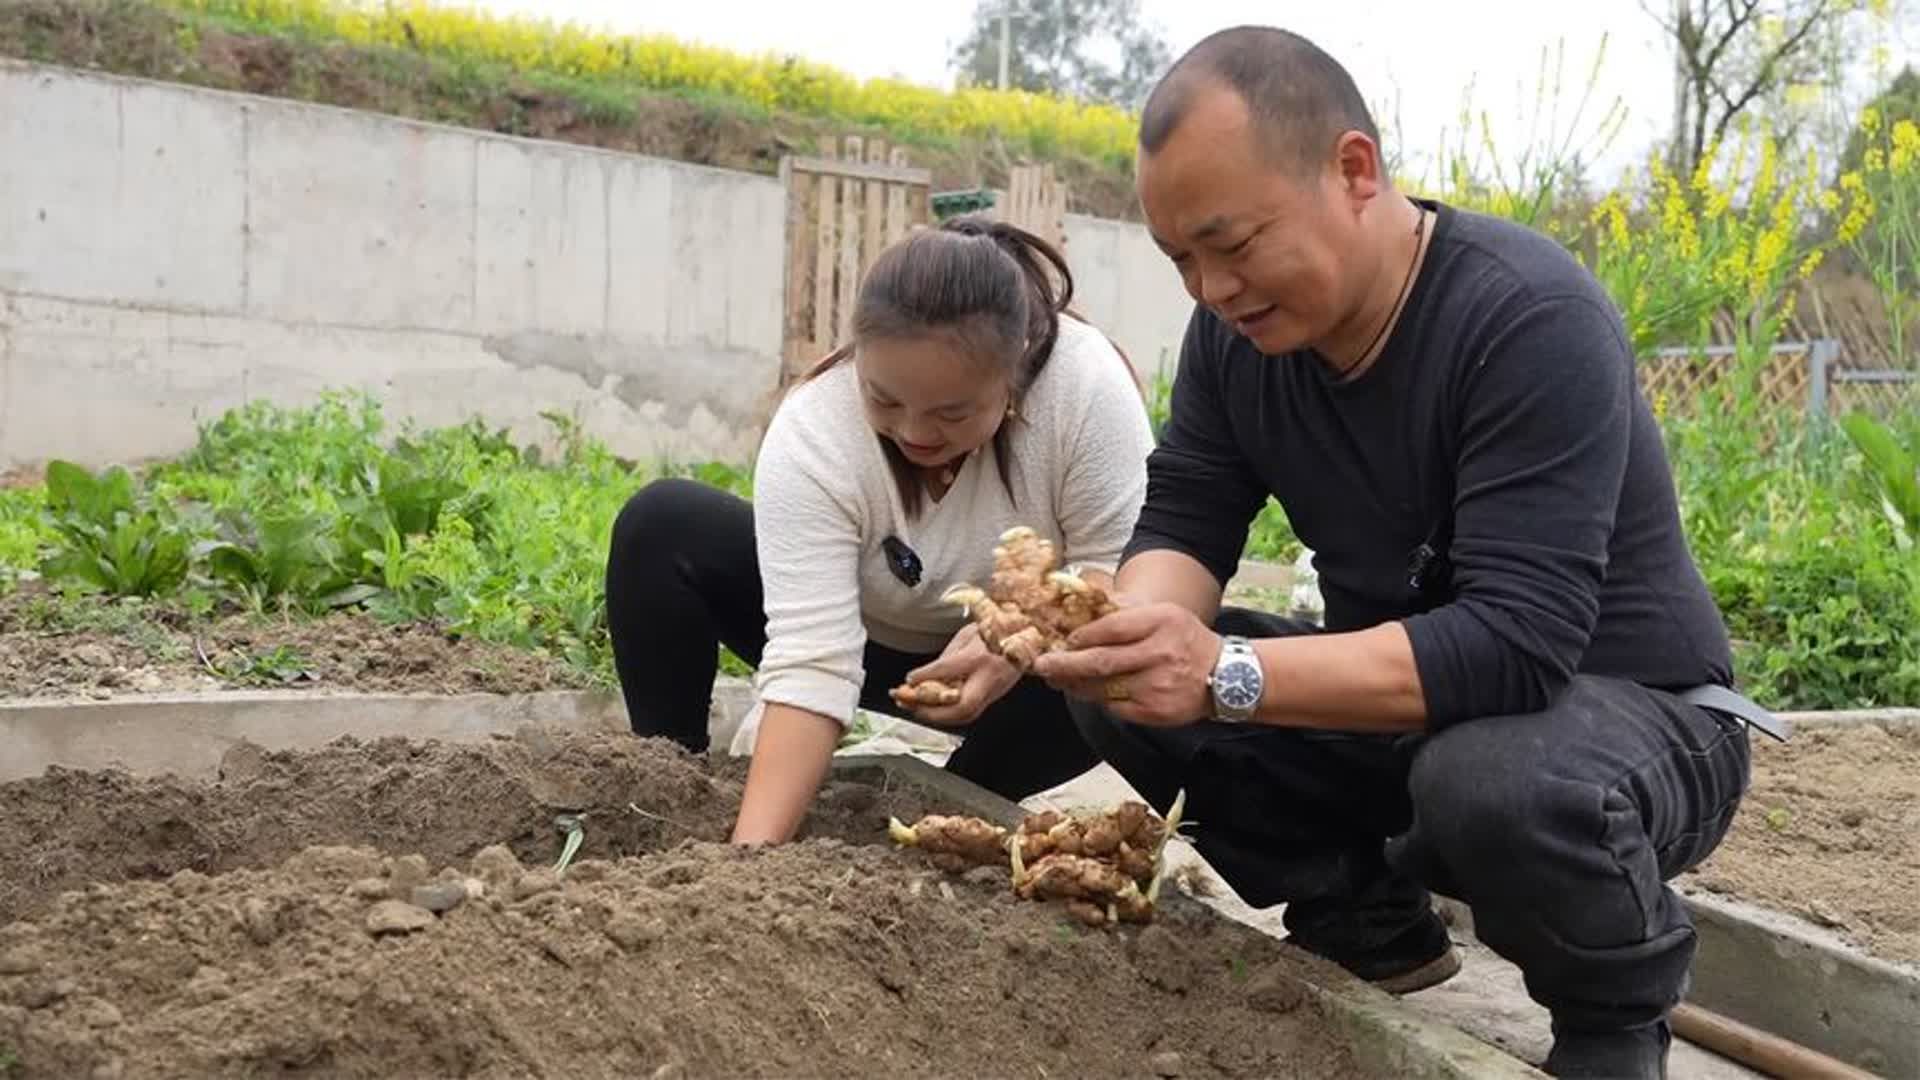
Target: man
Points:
(1502, 705)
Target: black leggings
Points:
(683, 577)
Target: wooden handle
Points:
(1758, 1049)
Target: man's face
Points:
(1267, 250)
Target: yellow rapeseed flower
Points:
(655, 62)
(1906, 148)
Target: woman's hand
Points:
(981, 677)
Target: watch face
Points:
(1238, 687)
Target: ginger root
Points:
(1094, 892)
(1029, 606)
(928, 692)
(953, 843)
(1129, 836)
(1105, 867)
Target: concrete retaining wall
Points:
(167, 252)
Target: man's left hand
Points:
(1150, 664)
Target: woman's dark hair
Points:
(984, 283)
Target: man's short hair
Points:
(1301, 100)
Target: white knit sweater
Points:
(824, 500)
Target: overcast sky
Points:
(1423, 55)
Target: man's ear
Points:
(1357, 161)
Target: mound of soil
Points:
(1830, 832)
(68, 828)
(391, 909)
(69, 648)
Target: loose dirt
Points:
(99, 649)
(391, 909)
(1830, 832)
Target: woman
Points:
(968, 402)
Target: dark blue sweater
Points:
(1506, 392)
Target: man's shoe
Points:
(1432, 973)
(1420, 957)
(1629, 1054)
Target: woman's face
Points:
(936, 401)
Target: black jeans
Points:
(683, 577)
(1559, 829)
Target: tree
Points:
(1733, 56)
(1094, 50)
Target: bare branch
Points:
(1763, 80)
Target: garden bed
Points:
(248, 925)
(1830, 833)
(54, 647)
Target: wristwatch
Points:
(1237, 682)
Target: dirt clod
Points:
(534, 882)
(1274, 990)
(439, 897)
(397, 917)
(1167, 1063)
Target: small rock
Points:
(408, 871)
(397, 917)
(102, 1014)
(1852, 816)
(534, 882)
(148, 681)
(632, 931)
(261, 920)
(1820, 913)
(439, 897)
(497, 866)
(372, 888)
(93, 654)
(1274, 991)
(672, 1070)
(17, 962)
(100, 693)
(1166, 1063)
(474, 887)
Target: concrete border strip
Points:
(1789, 977)
(187, 733)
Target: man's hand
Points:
(982, 677)
(1159, 656)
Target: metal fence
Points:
(1807, 376)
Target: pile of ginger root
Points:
(1027, 609)
(1106, 867)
